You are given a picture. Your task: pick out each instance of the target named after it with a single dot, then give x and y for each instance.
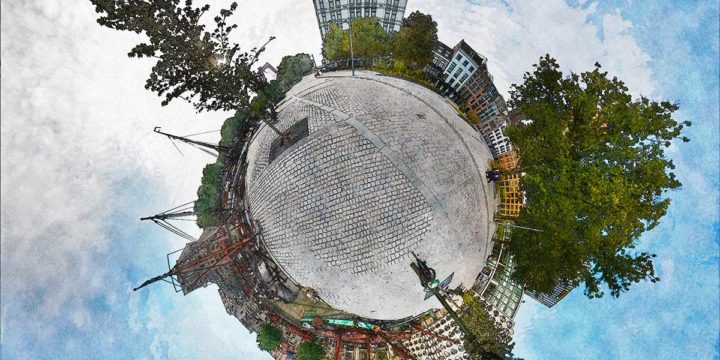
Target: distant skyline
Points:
(80, 165)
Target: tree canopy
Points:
(292, 69)
(369, 39)
(310, 350)
(490, 342)
(333, 44)
(595, 176)
(193, 64)
(416, 40)
(208, 195)
(269, 337)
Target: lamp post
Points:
(352, 55)
(523, 227)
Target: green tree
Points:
(369, 38)
(595, 176)
(292, 69)
(333, 44)
(473, 118)
(310, 351)
(490, 341)
(416, 40)
(230, 126)
(208, 195)
(264, 104)
(193, 64)
(269, 337)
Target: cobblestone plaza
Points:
(387, 167)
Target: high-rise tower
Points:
(389, 12)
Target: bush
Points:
(269, 337)
(292, 69)
(382, 65)
(229, 127)
(416, 76)
(208, 195)
(310, 351)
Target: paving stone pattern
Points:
(388, 168)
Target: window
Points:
(452, 66)
(322, 4)
(471, 69)
(457, 72)
(465, 63)
(458, 57)
(465, 76)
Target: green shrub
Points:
(269, 337)
(310, 351)
(208, 195)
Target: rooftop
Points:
(387, 168)
(467, 49)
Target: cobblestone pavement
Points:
(388, 168)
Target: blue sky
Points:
(80, 165)
(678, 317)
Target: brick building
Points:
(480, 95)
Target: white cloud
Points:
(80, 162)
(514, 34)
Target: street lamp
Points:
(352, 55)
(522, 227)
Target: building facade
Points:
(480, 96)
(492, 130)
(388, 12)
(508, 161)
(437, 337)
(441, 57)
(511, 196)
(497, 289)
(464, 63)
(559, 292)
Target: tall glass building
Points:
(389, 12)
(559, 292)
